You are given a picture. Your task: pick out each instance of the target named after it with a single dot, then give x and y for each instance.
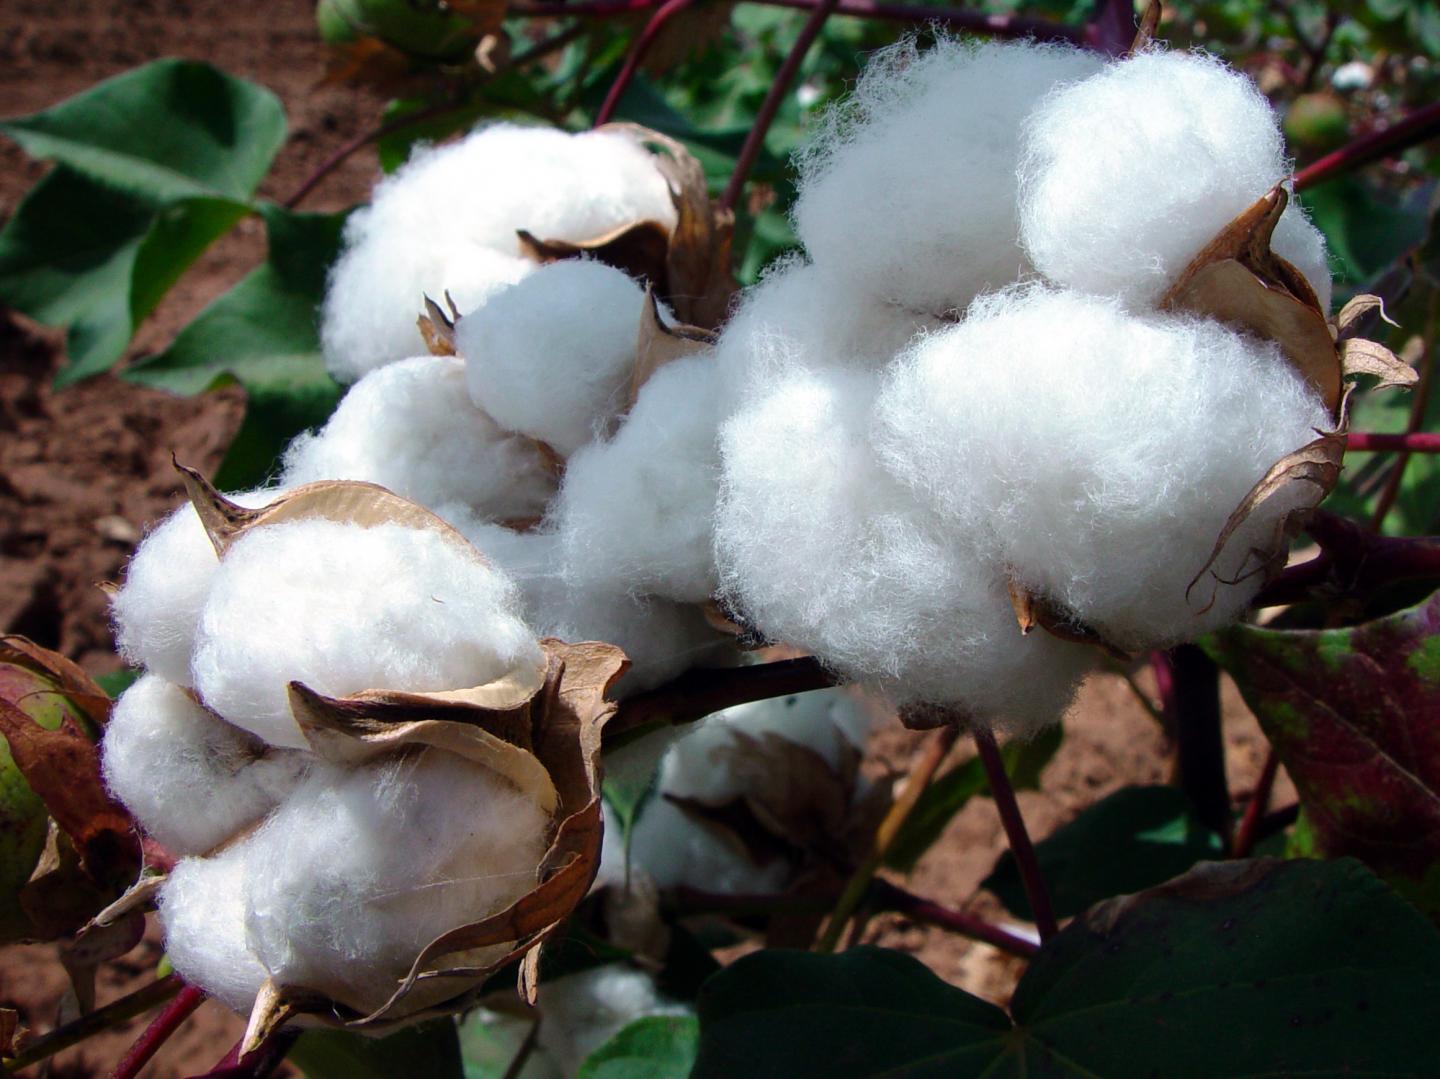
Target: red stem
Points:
(893, 897)
(158, 1032)
(1245, 835)
(1416, 127)
(263, 1060)
(755, 140)
(664, 14)
(1353, 560)
(1189, 684)
(1411, 442)
(1014, 824)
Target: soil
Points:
(83, 472)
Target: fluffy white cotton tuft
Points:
(448, 221)
(410, 427)
(909, 193)
(1299, 242)
(360, 869)
(1097, 453)
(202, 907)
(156, 611)
(191, 779)
(820, 548)
(581, 1012)
(552, 356)
(1130, 173)
(344, 608)
(635, 513)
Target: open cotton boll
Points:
(360, 868)
(448, 220)
(909, 192)
(581, 1012)
(552, 356)
(1130, 173)
(157, 609)
(410, 427)
(343, 608)
(190, 779)
(820, 548)
(1099, 453)
(675, 850)
(635, 513)
(202, 908)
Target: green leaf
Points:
(1366, 227)
(655, 1047)
(115, 683)
(1136, 838)
(1352, 715)
(262, 333)
(430, 1049)
(1246, 968)
(169, 130)
(1024, 760)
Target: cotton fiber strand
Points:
(344, 608)
(909, 192)
(411, 428)
(581, 1012)
(552, 357)
(1098, 454)
(1130, 173)
(448, 219)
(202, 908)
(360, 869)
(190, 779)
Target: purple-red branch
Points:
(1411, 442)
(158, 1032)
(1248, 833)
(1014, 825)
(1416, 127)
(920, 909)
(1353, 559)
(663, 14)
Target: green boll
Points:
(1317, 123)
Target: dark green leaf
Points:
(656, 1047)
(1136, 838)
(1366, 227)
(117, 682)
(431, 1050)
(169, 130)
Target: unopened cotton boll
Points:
(202, 908)
(360, 869)
(635, 513)
(1130, 173)
(909, 192)
(157, 609)
(448, 220)
(1099, 453)
(581, 1012)
(410, 427)
(190, 779)
(344, 608)
(552, 356)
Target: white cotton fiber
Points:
(410, 427)
(1299, 242)
(360, 869)
(635, 512)
(190, 779)
(344, 608)
(909, 192)
(448, 220)
(1130, 173)
(202, 908)
(674, 850)
(156, 611)
(820, 548)
(552, 357)
(581, 1012)
(1098, 453)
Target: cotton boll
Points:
(344, 608)
(635, 513)
(410, 427)
(1299, 242)
(202, 908)
(448, 220)
(359, 869)
(156, 611)
(552, 356)
(189, 778)
(675, 850)
(1130, 173)
(820, 548)
(581, 1012)
(1097, 453)
(909, 193)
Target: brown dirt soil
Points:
(85, 471)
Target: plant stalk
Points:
(158, 1032)
(1014, 824)
(112, 1015)
(636, 56)
(892, 897)
(1189, 684)
(263, 1060)
(1353, 559)
(1413, 129)
(1408, 442)
(1245, 835)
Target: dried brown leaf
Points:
(1357, 309)
(437, 328)
(688, 34)
(660, 343)
(639, 249)
(77, 686)
(1359, 356)
(94, 945)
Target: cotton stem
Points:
(636, 56)
(1014, 824)
(1246, 835)
(112, 1015)
(1413, 129)
(1189, 683)
(158, 1032)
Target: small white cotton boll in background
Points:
(156, 611)
(674, 850)
(581, 1012)
(909, 192)
(360, 868)
(343, 608)
(1098, 453)
(190, 779)
(635, 513)
(411, 427)
(552, 356)
(1130, 173)
(1300, 243)
(202, 909)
